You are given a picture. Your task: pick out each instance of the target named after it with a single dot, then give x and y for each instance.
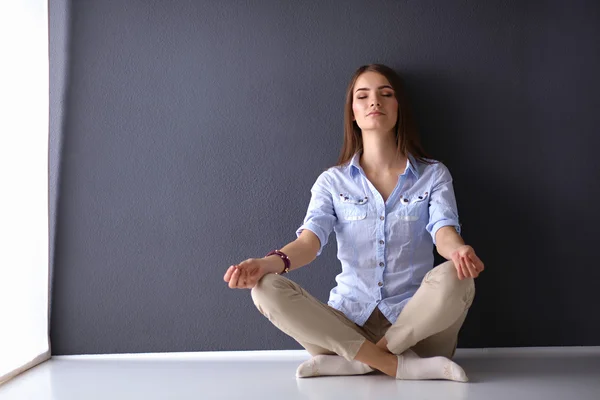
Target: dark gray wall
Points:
(195, 129)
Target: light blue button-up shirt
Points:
(385, 248)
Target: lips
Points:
(375, 113)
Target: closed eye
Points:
(385, 95)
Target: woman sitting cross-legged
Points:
(389, 204)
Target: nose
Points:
(375, 101)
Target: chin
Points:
(378, 127)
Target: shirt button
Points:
(381, 242)
(381, 264)
(380, 283)
(382, 218)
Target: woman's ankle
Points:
(382, 344)
(391, 365)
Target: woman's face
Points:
(373, 92)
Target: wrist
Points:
(273, 263)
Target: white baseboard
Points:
(276, 355)
(282, 355)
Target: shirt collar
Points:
(411, 164)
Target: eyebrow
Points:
(380, 87)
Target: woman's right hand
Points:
(246, 274)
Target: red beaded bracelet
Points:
(285, 259)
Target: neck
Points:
(379, 155)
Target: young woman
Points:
(388, 204)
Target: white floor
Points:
(526, 373)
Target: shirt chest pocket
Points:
(412, 207)
(351, 207)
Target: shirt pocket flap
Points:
(352, 207)
(417, 198)
(347, 198)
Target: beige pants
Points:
(429, 323)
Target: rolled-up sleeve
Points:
(320, 216)
(442, 203)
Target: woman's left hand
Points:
(467, 264)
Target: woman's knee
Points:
(268, 287)
(445, 276)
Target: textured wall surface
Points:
(192, 132)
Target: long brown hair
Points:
(407, 138)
